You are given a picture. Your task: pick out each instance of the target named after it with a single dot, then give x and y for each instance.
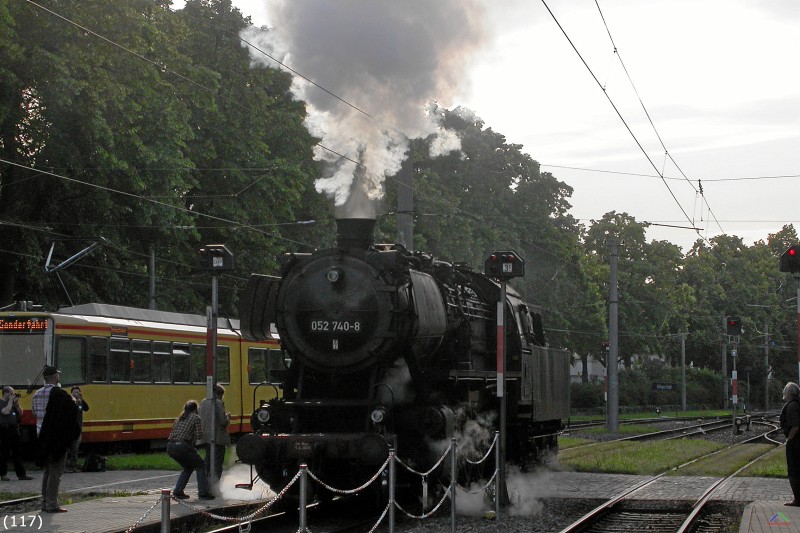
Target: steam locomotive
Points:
(388, 348)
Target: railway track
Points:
(701, 429)
(624, 513)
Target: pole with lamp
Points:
(790, 262)
(215, 259)
(503, 266)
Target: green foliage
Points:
(773, 465)
(586, 395)
(171, 140)
(636, 457)
(146, 461)
(703, 387)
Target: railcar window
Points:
(71, 359)
(98, 360)
(119, 363)
(223, 364)
(161, 362)
(198, 352)
(141, 357)
(265, 365)
(256, 365)
(180, 363)
(276, 372)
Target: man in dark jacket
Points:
(790, 423)
(59, 428)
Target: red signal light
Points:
(792, 251)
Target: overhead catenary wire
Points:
(168, 70)
(477, 217)
(616, 110)
(647, 114)
(157, 202)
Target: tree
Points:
(167, 139)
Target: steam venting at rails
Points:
(391, 63)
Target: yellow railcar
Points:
(136, 367)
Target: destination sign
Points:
(23, 325)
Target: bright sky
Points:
(720, 80)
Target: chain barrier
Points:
(245, 522)
(246, 518)
(428, 514)
(145, 515)
(434, 467)
(486, 455)
(380, 519)
(351, 491)
(482, 489)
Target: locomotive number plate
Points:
(336, 326)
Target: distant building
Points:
(596, 370)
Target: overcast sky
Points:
(720, 80)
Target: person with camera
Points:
(10, 415)
(72, 455)
(57, 426)
(215, 421)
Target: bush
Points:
(703, 387)
(586, 395)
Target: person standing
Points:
(10, 415)
(215, 419)
(790, 424)
(186, 431)
(72, 457)
(57, 425)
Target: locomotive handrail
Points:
(273, 385)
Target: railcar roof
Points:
(145, 315)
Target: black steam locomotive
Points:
(388, 348)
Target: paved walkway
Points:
(112, 514)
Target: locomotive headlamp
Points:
(378, 415)
(334, 275)
(263, 414)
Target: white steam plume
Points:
(388, 59)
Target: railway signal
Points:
(790, 262)
(504, 265)
(734, 326)
(790, 259)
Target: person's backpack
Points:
(94, 463)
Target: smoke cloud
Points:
(391, 63)
(240, 473)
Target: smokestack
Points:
(355, 233)
(405, 205)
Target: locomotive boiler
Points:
(388, 348)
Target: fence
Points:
(391, 464)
